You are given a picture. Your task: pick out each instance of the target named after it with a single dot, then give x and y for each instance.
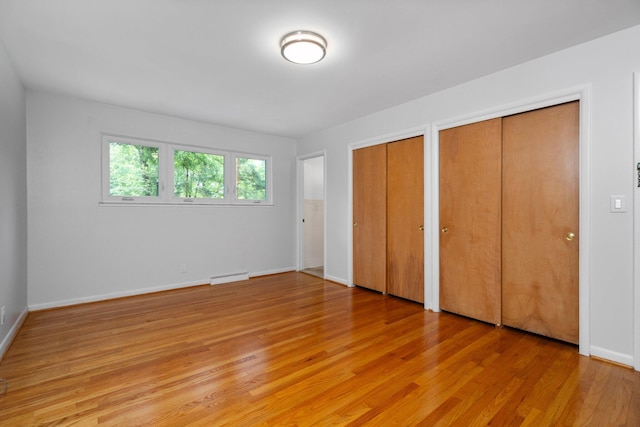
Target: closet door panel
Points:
(470, 220)
(405, 221)
(540, 221)
(369, 217)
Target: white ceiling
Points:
(218, 61)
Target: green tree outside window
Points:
(133, 170)
(198, 175)
(251, 179)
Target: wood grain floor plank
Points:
(292, 349)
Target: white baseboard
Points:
(6, 342)
(103, 297)
(339, 280)
(270, 272)
(603, 353)
(228, 278)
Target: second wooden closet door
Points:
(540, 221)
(405, 218)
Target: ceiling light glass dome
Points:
(303, 47)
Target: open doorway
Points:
(312, 258)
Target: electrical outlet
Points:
(2, 315)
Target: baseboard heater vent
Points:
(226, 278)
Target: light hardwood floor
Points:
(292, 349)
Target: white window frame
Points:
(106, 170)
(234, 179)
(195, 200)
(166, 181)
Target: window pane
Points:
(198, 175)
(133, 170)
(251, 178)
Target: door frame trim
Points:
(300, 208)
(384, 139)
(636, 222)
(432, 216)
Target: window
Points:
(134, 170)
(143, 171)
(198, 175)
(251, 179)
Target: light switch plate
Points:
(618, 203)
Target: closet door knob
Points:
(445, 230)
(355, 224)
(570, 236)
(422, 228)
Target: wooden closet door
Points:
(370, 217)
(540, 221)
(470, 220)
(405, 219)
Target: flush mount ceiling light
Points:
(303, 47)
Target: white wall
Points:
(80, 250)
(13, 197)
(607, 65)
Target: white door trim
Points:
(300, 208)
(582, 94)
(636, 222)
